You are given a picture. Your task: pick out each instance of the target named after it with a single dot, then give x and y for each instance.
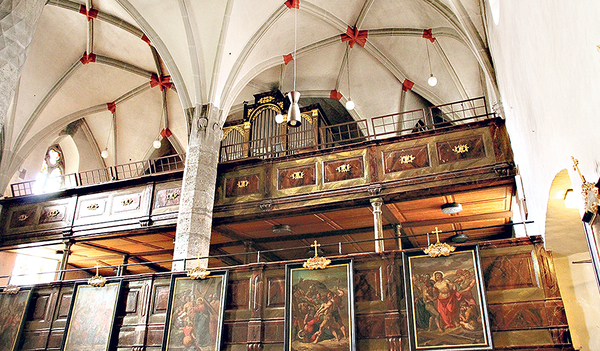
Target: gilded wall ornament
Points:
(127, 202)
(93, 207)
(406, 159)
(461, 148)
(297, 175)
(343, 168)
(11, 289)
(53, 213)
(172, 196)
(97, 281)
(589, 191)
(243, 183)
(438, 249)
(316, 262)
(23, 217)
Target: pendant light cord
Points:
(295, 43)
(428, 58)
(348, 70)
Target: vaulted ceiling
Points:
(223, 52)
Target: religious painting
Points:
(13, 308)
(91, 318)
(445, 298)
(195, 313)
(319, 309)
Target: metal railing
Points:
(102, 175)
(354, 132)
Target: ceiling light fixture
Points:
(432, 81)
(451, 208)
(282, 229)
(294, 117)
(104, 153)
(460, 238)
(156, 144)
(349, 103)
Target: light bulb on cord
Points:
(104, 153)
(279, 118)
(156, 144)
(349, 105)
(432, 81)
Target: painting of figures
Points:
(12, 315)
(91, 319)
(320, 308)
(446, 302)
(195, 313)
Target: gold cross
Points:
(97, 265)
(437, 233)
(315, 245)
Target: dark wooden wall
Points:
(525, 307)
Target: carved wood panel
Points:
(350, 168)
(167, 197)
(406, 159)
(367, 285)
(466, 148)
(296, 176)
(509, 272)
(52, 214)
(242, 185)
(275, 292)
(237, 294)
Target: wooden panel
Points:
(23, 218)
(296, 176)
(237, 294)
(350, 168)
(64, 305)
(40, 308)
(35, 339)
(367, 285)
(527, 315)
(92, 207)
(406, 159)
(274, 331)
(460, 149)
(161, 299)
(126, 203)
(276, 292)
(242, 185)
(51, 214)
(167, 197)
(235, 333)
(509, 272)
(132, 302)
(370, 326)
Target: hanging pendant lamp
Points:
(294, 118)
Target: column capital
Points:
(376, 202)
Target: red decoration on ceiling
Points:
(334, 94)
(163, 82)
(145, 38)
(293, 4)
(165, 133)
(288, 58)
(353, 35)
(407, 85)
(87, 58)
(428, 35)
(88, 14)
(112, 107)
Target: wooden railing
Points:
(101, 175)
(387, 126)
(291, 143)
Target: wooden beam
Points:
(459, 219)
(243, 238)
(154, 267)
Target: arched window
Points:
(53, 168)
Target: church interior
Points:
(142, 141)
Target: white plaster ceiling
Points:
(223, 52)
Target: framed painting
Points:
(13, 309)
(195, 313)
(319, 308)
(445, 301)
(91, 317)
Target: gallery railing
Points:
(387, 126)
(96, 176)
(294, 142)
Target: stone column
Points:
(194, 223)
(377, 225)
(18, 20)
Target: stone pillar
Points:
(65, 259)
(377, 225)
(18, 20)
(194, 222)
